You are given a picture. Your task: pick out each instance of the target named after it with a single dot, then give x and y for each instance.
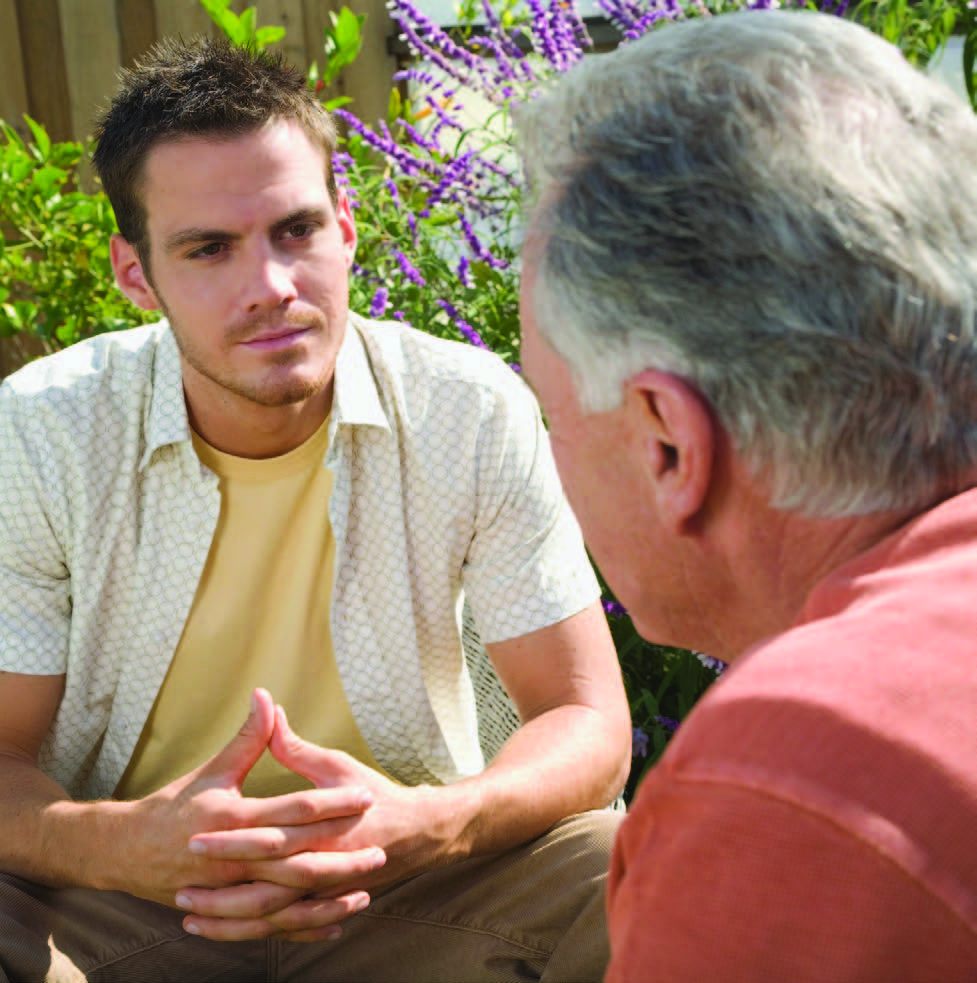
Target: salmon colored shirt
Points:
(815, 819)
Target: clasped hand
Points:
(291, 866)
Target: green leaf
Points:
(268, 35)
(12, 136)
(440, 219)
(47, 178)
(20, 169)
(41, 139)
(226, 20)
(342, 42)
(969, 56)
(348, 29)
(394, 106)
(248, 22)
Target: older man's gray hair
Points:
(778, 208)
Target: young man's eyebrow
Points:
(194, 236)
(309, 213)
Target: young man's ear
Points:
(677, 434)
(347, 225)
(129, 274)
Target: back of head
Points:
(203, 88)
(778, 208)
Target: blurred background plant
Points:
(436, 191)
(56, 284)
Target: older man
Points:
(749, 313)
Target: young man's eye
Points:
(210, 249)
(301, 230)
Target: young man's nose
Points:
(270, 282)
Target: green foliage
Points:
(662, 684)
(242, 29)
(922, 28)
(342, 43)
(56, 281)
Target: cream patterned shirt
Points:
(444, 491)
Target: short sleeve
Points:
(527, 567)
(35, 603)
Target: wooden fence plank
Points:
(290, 15)
(315, 19)
(368, 80)
(13, 85)
(48, 100)
(182, 17)
(137, 28)
(92, 56)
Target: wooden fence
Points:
(59, 58)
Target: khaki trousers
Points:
(532, 913)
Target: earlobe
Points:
(129, 274)
(678, 439)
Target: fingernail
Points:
(197, 847)
(379, 857)
(192, 928)
(361, 903)
(182, 901)
(254, 702)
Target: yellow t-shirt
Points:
(260, 617)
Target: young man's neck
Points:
(245, 429)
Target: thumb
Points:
(230, 766)
(304, 758)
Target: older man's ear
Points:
(677, 432)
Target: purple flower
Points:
(467, 331)
(379, 303)
(463, 273)
(614, 609)
(639, 743)
(409, 269)
(667, 723)
(709, 662)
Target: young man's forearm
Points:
(46, 837)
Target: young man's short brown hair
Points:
(207, 88)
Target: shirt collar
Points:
(356, 399)
(166, 419)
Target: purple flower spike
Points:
(467, 331)
(639, 743)
(409, 269)
(379, 303)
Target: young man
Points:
(749, 313)
(264, 497)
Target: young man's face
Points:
(249, 260)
